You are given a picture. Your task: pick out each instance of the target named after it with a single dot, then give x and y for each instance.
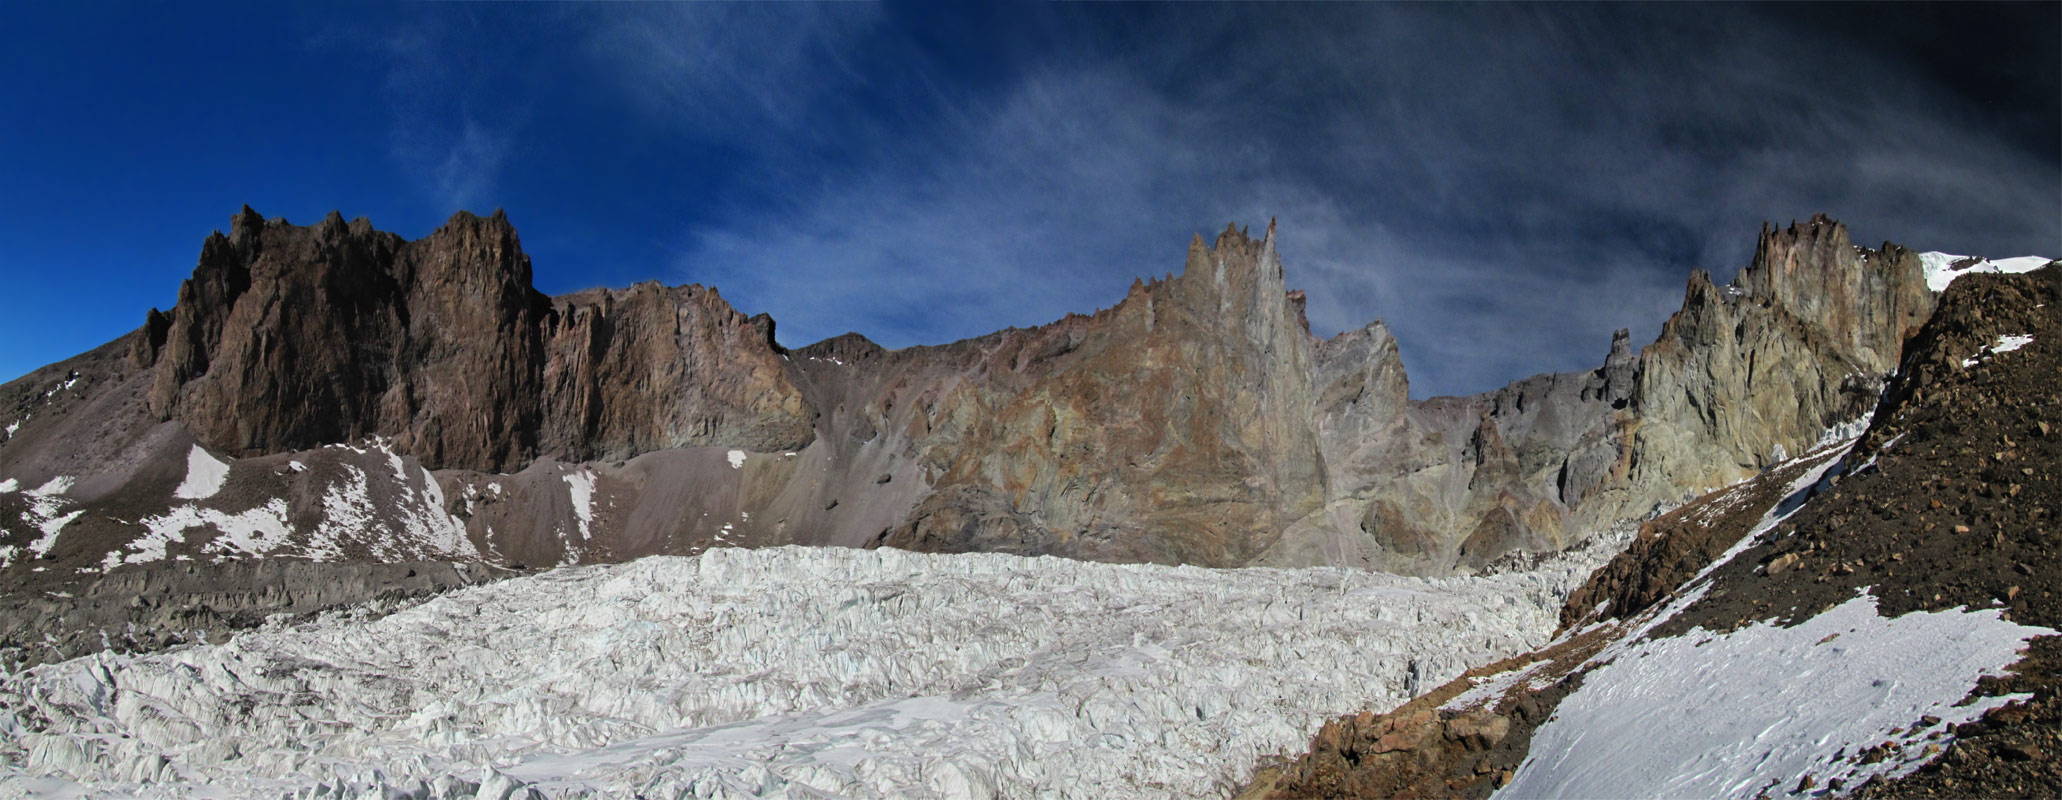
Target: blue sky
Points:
(1503, 184)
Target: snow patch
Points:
(1940, 271)
(737, 459)
(204, 476)
(2005, 344)
(580, 486)
(2010, 342)
(9, 485)
(1699, 716)
(45, 504)
(1492, 687)
(50, 527)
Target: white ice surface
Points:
(809, 672)
(1939, 275)
(736, 458)
(204, 476)
(1704, 715)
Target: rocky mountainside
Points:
(335, 393)
(1877, 617)
(1196, 421)
(334, 423)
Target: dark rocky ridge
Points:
(1196, 421)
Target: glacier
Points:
(786, 672)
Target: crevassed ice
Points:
(755, 672)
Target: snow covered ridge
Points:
(1942, 269)
(809, 672)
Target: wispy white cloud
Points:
(760, 73)
(448, 136)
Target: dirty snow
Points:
(1939, 271)
(737, 459)
(204, 476)
(1698, 716)
(809, 672)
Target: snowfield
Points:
(789, 672)
(1699, 715)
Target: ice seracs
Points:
(815, 672)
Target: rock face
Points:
(1173, 427)
(651, 368)
(1801, 341)
(1798, 344)
(1196, 421)
(288, 337)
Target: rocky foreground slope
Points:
(1877, 619)
(1197, 421)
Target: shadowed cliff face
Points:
(1196, 421)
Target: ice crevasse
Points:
(790, 672)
